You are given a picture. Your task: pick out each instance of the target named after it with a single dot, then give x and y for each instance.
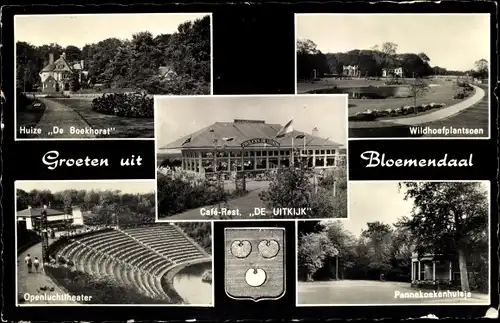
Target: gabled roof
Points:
(163, 71)
(54, 67)
(37, 211)
(242, 131)
(50, 77)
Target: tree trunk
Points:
(462, 263)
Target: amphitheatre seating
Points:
(137, 258)
(168, 241)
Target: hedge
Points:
(131, 105)
(102, 290)
(370, 115)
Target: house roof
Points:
(163, 71)
(37, 211)
(50, 77)
(242, 130)
(68, 67)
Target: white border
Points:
(297, 304)
(101, 305)
(110, 14)
(346, 146)
(489, 89)
(256, 300)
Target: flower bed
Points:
(370, 115)
(131, 105)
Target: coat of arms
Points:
(255, 263)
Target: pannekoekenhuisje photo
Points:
(405, 243)
(417, 80)
(251, 157)
(94, 75)
(96, 243)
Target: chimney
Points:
(81, 63)
(63, 55)
(315, 132)
(51, 58)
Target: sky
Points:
(180, 116)
(454, 41)
(79, 30)
(376, 201)
(125, 186)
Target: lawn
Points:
(125, 127)
(28, 116)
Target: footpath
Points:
(62, 116)
(35, 284)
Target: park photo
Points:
(96, 243)
(251, 157)
(405, 243)
(97, 75)
(407, 75)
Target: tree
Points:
(73, 53)
(307, 46)
(379, 240)
(389, 48)
(417, 90)
(446, 217)
(312, 250)
(482, 68)
(424, 57)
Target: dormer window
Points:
(61, 66)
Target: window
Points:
(322, 152)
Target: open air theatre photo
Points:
(405, 243)
(96, 242)
(94, 75)
(407, 75)
(251, 157)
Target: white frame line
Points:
(110, 14)
(412, 14)
(101, 305)
(346, 145)
(297, 304)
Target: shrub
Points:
(207, 277)
(101, 290)
(363, 116)
(177, 85)
(131, 105)
(22, 101)
(180, 191)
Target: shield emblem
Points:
(255, 263)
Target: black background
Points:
(253, 54)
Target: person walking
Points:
(28, 262)
(37, 264)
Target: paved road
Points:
(475, 117)
(364, 292)
(443, 112)
(57, 114)
(34, 283)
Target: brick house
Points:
(57, 75)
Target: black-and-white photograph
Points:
(94, 75)
(407, 75)
(96, 243)
(405, 243)
(251, 157)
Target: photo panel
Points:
(96, 243)
(405, 243)
(421, 79)
(97, 75)
(251, 157)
